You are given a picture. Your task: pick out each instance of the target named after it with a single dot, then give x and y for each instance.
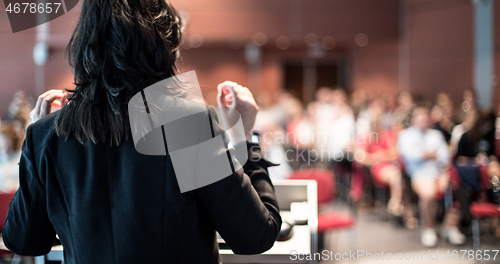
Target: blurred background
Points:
(422, 46)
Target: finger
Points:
(38, 104)
(221, 100)
(46, 93)
(33, 115)
(232, 95)
(221, 96)
(229, 83)
(64, 99)
(247, 91)
(226, 94)
(225, 85)
(51, 93)
(44, 109)
(51, 97)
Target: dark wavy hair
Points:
(118, 48)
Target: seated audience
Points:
(468, 104)
(10, 153)
(300, 133)
(479, 143)
(426, 157)
(480, 139)
(322, 116)
(380, 155)
(476, 149)
(405, 106)
(342, 127)
(457, 132)
(442, 116)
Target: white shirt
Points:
(334, 130)
(456, 135)
(414, 143)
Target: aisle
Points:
(375, 236)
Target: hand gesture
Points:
(48, 100)
(238, 98)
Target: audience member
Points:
(404, 109)
(442, 116)
(468, 104)
(476, 149)
(426, 157)
(342, 127)
(457, 132)
(300, 133)
(380, 155)
(10, 153)
(360, 100)
(322, 117)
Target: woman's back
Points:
(82, 178)
(115, 205)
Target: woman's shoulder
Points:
(42, 131)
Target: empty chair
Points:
(327, 219)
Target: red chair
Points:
(327, 220)
(481, 210)
(359, 174)
(5, 199)
(478, 210)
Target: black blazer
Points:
(115, 205)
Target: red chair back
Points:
(5, 199)
(324, 178)
(485, 179)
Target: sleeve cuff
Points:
(255, 154)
